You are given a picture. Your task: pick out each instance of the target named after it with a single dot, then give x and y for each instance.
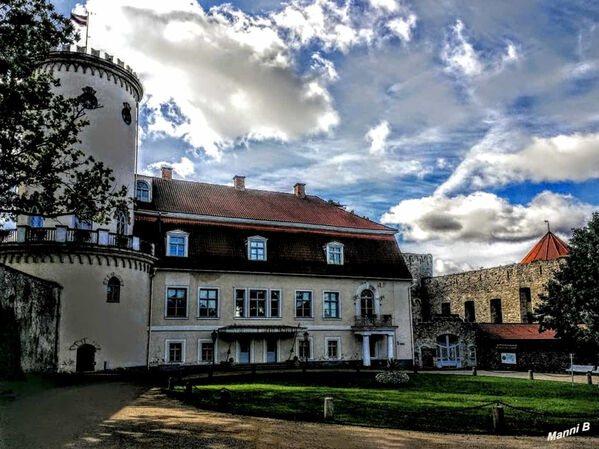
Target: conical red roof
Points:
(548, 248)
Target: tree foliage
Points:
(571, 306)
(39, 130)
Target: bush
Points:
(392, 378)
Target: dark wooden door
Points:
(86, 355)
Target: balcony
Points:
(370, 321)
(74, 238)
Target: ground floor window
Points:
(333, 348)
(271, 351)
(304, 349)
(206, 351)
(175, 351)
(244, 351)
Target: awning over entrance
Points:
(281, 331)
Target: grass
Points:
(428, 402)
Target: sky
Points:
(464, 124)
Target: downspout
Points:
(411, 325)
(152, 274)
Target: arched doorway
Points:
(449, 351)
(86, 355)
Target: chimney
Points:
(167, 173)
(239, 183)
(299, 190)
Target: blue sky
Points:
(464, 124)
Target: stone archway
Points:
(86, 358)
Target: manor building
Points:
(198, 273)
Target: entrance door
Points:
(85, 358)
(271, 351)
(244, 351)
(449, 351)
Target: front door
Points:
(85, 358)
(244, 351)
(271, 351)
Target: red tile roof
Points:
(214, 200)
(548, 248)
(516, 332)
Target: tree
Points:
(571, 305)
(39, 130)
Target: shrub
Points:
(392, 378)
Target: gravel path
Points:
(123, 416)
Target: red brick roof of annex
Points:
(550, 247)
(213, 200)
(516, 331)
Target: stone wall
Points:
(29, 316)
(481, 286)
(420, 265)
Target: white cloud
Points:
(458, 53)
(485, 217)
(403, 26)
(389, 5)
(506, 156)
(378, 137)
(184, 168)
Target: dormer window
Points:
(257, 248)
(176, 244)
(335, 253)
(142, 191)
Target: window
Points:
(496, 315)
(176, 302)
(175, 351)
(257, 248)
(303, 304)
(367, 303)
(239, 303)
(271, 350)
(206, 351)
(526, 305)
(142, 191)
(335, 253)
(304, 349)
(330, 305)
(445, 308)
(176, 244)
(36, 220)
(333, 348)
(245, 347)
(208, 303)
(257, 303)
(121, 222)
(469, 315)
(275, 303)
(113, 290)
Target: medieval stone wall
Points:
(420, 265)
(29, 315)
(482, 286)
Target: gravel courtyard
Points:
(121, 415)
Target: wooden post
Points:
(531, 375)
(589, 378)
(474, 372)
(329, 409)
(498, 418)
(188, 389)
(171, 383)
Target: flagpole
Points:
(87, 31)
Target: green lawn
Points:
(428, 402)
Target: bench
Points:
(582, 369)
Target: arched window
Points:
(142, 192)
(113, 290)
(36, 220)
(367, 302)
(121, 223)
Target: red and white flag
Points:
(79, 19)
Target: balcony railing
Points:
(75, 237)
(373, 321)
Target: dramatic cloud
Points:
(378, 137)
(184, 168)
(506, 156)
(485, 217)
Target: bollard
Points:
(171, 383)
(589, 378)
(329, 409)
(531, 375)
(188, 389)
(498, 418)
(474, 372)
